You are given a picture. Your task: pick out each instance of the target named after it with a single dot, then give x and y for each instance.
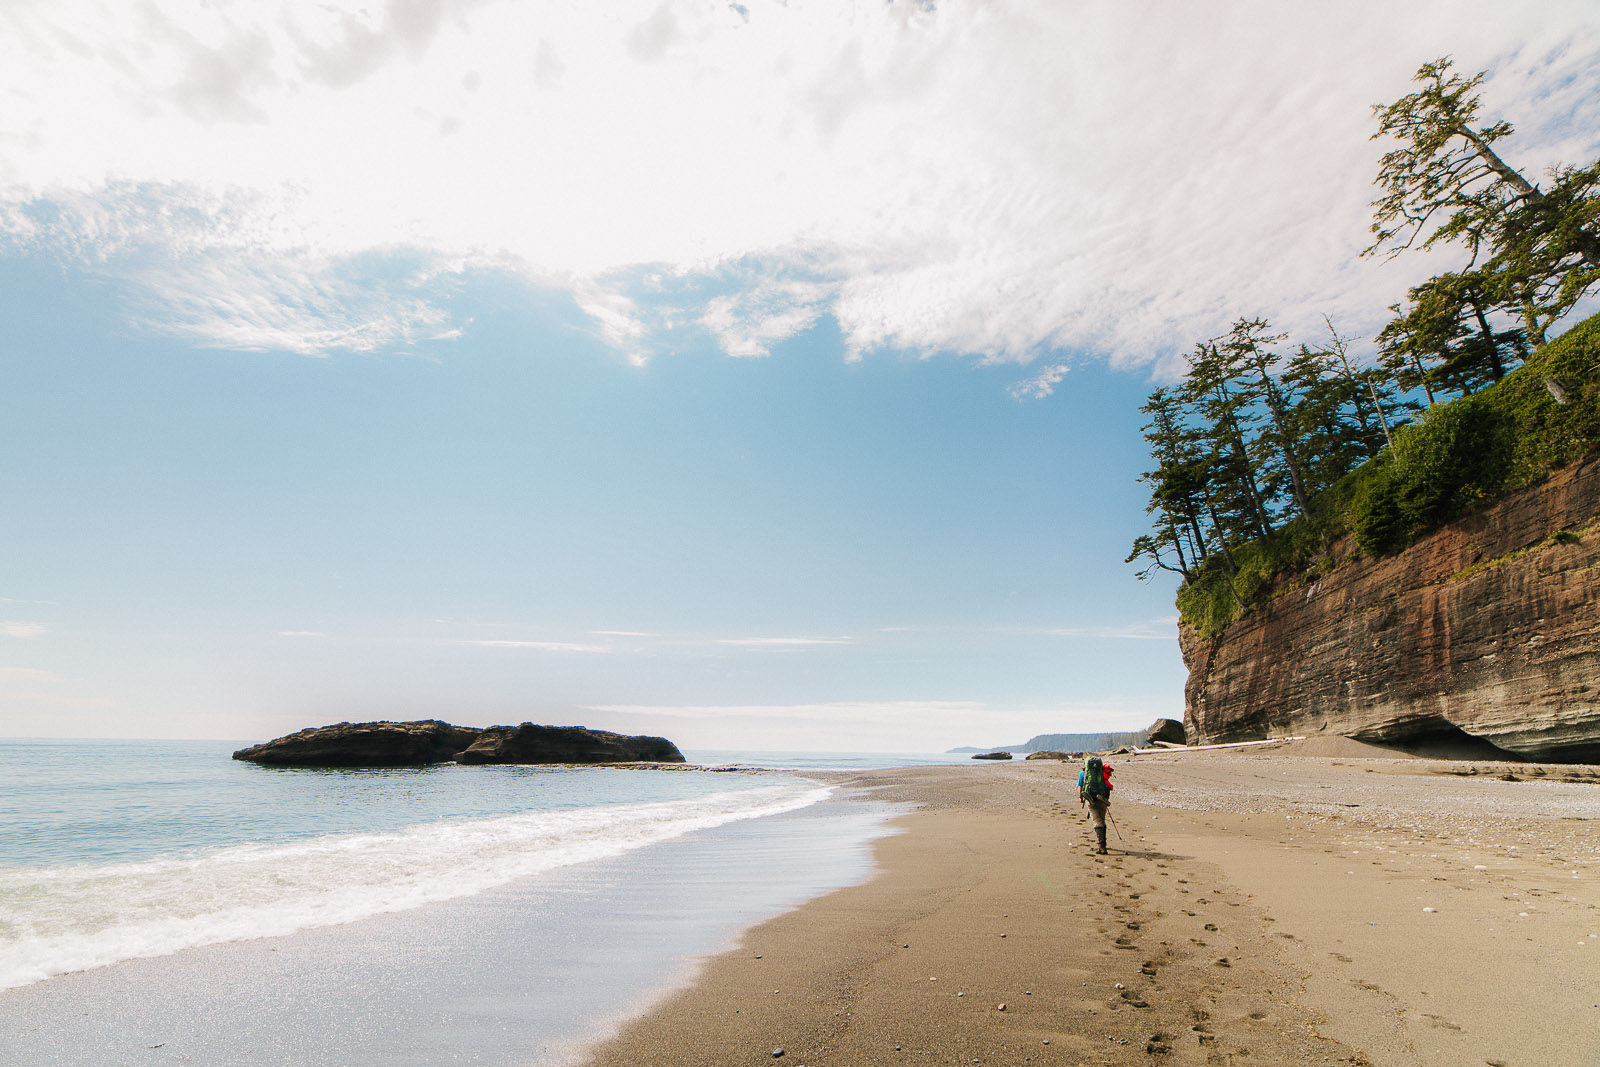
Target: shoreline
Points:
(1257, 908)
(524, 973)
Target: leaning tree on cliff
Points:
(1534, 250)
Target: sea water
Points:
(164, 889)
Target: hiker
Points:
(1094, 791)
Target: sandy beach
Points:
(1313, 903)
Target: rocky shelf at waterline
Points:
(416, 744)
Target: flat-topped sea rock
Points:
(416, 744)
(364, 744)
(530, 743)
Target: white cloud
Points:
(1042, 384)
(301, 633)
(998, 179)
(536, 646)
(1165, 629)
(27, 674)
(835, 712)
(749, 322)
(782, 642)
(13, 628)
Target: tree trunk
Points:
(1495, 366)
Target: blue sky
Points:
(759, 377)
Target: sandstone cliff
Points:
(1489, 627)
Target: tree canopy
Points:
(1534, 249)
(1264, 453)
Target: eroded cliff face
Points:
(1489, 627)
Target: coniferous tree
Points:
(1178, 488)
(1408, 350)
(1325, 422)
(1249, 347)
(1446, 332)
(1538, 250)
(1370, 390)
(1240, 500)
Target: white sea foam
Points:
(60, 919)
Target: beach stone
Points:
(1168, 730)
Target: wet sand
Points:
(1293, 905)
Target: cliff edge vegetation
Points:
(1268, 456)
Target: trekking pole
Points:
(1113, 823)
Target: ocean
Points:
(163, 903)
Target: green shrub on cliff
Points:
(1456, 456)
(1549, 433)
(1463, 454)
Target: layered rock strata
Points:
(1487, 629)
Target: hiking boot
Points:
(1100, 836)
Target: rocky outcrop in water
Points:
(416, 744)
(364, 744)
(1486, 630)
(565, 744)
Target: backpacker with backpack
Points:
(1095, 781)
(1094, 786)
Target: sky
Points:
(760, 375)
